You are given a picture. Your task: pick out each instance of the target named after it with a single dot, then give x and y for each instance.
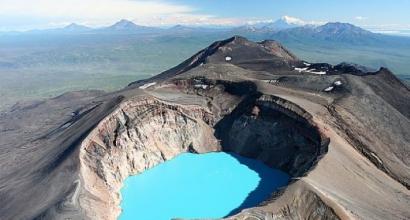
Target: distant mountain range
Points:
(286, 22)
(121, 27)
(286, 29)
(76, 27)
(129, 26)
(332, 32)
(283, 23)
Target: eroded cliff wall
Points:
(137, 136)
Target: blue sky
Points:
(372, 14)
(378, 11)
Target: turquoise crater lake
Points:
(211, 185)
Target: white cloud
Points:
(188, 19)
(360, 18)
(293, 20)
(395, 29)
(28, 14)
(91, 12)
(87, 9)
(259, 21)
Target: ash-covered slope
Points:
(341, 132)
(266, 55)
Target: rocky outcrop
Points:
(300, 202)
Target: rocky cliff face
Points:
(274, 131)
(137, 136)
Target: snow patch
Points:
(329, 89)
(301, 69)
(306, 69)
(317, 72)
(307, 64)
(202, 86)
(228, 58)
(147, 85)
(271, 81)
(338, 83)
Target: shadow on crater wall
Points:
(270, 181)
(281, 137)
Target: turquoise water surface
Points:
(210, 185)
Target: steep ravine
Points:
(142, 133)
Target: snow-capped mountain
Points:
(286, 22)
